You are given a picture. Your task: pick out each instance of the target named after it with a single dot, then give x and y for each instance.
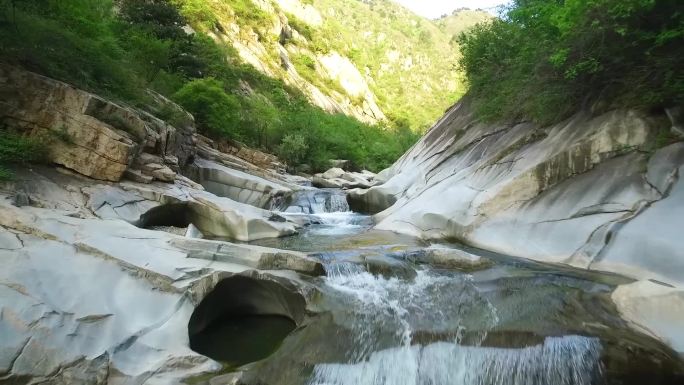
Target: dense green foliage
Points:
(409, 59)
(548, 58)
(120, 54)
(406, 60)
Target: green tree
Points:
(293, 148)
(545, 59)
(216, 112)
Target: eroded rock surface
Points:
(594, 192)
(562, 193)
(235, 184)
(339, 178)
(655, 309)
(88, 134)
(91, 300)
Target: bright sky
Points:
(435, 8)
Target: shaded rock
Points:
(264, 300)
(137, 176)
(370, 201)
(21, 199)
(388, 267)
(676, 115)
(163, 174)
(193, 232)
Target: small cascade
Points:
(337, 267)
(336, 203)
(342, 268)
(388, 311)
(314, 201)
(567, 360)
(388, 317)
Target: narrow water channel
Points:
(388, 312)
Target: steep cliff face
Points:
(596, 192)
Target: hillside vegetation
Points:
(408, 59)
(461, 20)
(185, 50)
(546, 59)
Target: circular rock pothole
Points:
(244, 319)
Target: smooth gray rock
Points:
(450, 258)
(102, 301)
(179, 205)
(564, 193)
(654, 309)
(339, 178)
(651, 244)
(235, 184)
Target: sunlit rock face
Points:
(92, 301)
(562, 193)
(594, 191)
(91, 135)
(235, 184)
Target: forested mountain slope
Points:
(461, 20)
(310, 81)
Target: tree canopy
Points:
(545, 59)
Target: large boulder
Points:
(222, 217)
(86, 133)
(58, 113)
(235, 184)
(150, 205)
(339, 178)
(180, 206)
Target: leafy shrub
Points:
(215, 111)
(142, 45)
(73, 41)
(197, 12)
(545, 59)
(301, 27)
(292, 148)
(262, 119)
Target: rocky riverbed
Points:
(145, 253)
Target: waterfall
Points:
(567, 360)
(336, 203)
(384, 314)
(314, 202)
